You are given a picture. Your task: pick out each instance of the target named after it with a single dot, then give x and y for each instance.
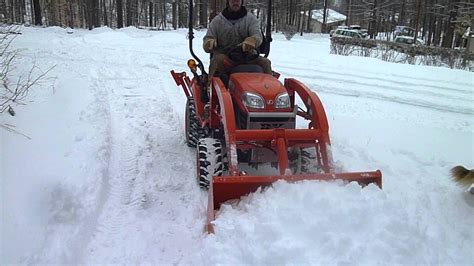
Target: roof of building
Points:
(332, 16)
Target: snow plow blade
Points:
(227, 188)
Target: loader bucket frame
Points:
(236, 184)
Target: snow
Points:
(107, 177)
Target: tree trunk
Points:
(203, 13)
(156, 11)
(299, 20)
(136, 17)
(175, 15)
(83, 14)
(104, 14)
(11, 12)
(213, 9)
(89, 7)
(310, 14)
(431, 30)
(150, 14)
(325, 10)
(97, 13)
(437, 32)
(128, 8)
(183, 16)
(37, 9)
(449, 32)
(425, 19)
(373, 21)
(417, 20)
(3, 10)
(401, 20)
(21, 12)
(119, 14)
(70, 15)
(349, 10)
(393, 23)
(164, 15)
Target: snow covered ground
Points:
(107, 178)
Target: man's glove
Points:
(210, 44)
(249, 44)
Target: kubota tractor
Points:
(249, 118)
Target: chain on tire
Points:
(193, 130)
(209, 157)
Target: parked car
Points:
(343, 27)
(360, 30)
(355, 27)
(403, 31)
(347, 33)
(408, 40)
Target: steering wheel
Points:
(237, 55)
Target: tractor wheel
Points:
(209, 158)
(193, 130)
(303, 161)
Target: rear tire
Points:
(193, 130)
(209, 156)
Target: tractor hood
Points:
(264, 85)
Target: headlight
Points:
(282, 101)
(253, 100)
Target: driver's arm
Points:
(254, 30)
(254, 38)
(210, 40)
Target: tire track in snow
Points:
(361, 80)
(86, 229)
(391, 94)
(401, 79)
(144, 187)
(126, 192)
(413, 101)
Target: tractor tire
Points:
(209, 156)
(193, 130)
(303, 161)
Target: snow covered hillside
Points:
(107, 178)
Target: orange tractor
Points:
(248, 118)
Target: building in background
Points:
(333, 20)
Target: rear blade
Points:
(233, 187)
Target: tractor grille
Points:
(271, 120)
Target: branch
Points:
(10, 128)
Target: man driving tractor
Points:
(233, 27)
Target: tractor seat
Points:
(246, 68)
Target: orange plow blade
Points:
(227, 188)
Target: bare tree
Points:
(119, 14)
(37, 9)
(203, 13)
(14, 91)
(175, 14)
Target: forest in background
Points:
(437, 22)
